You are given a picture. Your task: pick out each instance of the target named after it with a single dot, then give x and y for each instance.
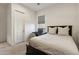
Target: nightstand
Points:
(38, 33)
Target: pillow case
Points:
(63, 31)
(52, 30)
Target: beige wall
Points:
(77, 22)
(3, 23)
(61, 14)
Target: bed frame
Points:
(33, 51)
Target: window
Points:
(41, 19)
(41, 23)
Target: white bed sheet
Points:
(55, 44)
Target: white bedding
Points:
(55, 44)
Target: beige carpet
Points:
(19, 49)
(3, 45)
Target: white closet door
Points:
(19, 26)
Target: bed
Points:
(49, 44)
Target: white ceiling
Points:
(36, 7)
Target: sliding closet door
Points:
(19, 26)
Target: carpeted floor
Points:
(19, 49)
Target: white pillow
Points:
(63, 31)
(52, 30)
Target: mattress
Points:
(55, 44)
